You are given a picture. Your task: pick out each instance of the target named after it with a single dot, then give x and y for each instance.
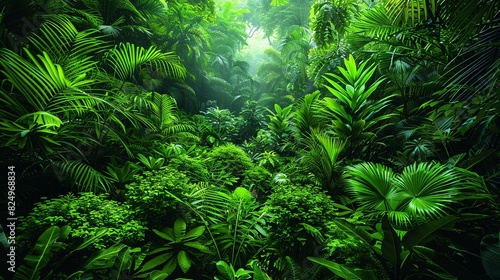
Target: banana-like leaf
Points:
(41, 254)
(444, 263)
(156, 261)
(90, 240)
(194, 233)
(355, 231)
(226, 270)
(157, 275)
(122, 262)
(344, 271)
(105, 258)
(391, 244)
(422, 232)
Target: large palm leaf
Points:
(422, 192)
(42, 94)
(371, 186)
(428, 188)
(126, 60)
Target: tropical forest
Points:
(250, 139)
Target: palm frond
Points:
(126, 59)
(370, 184)
(83, 177)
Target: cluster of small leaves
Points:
(86, 214)
(153, 195)
(258, 179)
(291, 206)
(229, 158)
(220, 126)
(350, 250)
(193, 167)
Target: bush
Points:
(152, 196)
(258, 179)
(192, 167)
(291, 206)
(85, 214)
(229, 159)
(351, 251)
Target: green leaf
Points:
(343, 271)
(184, 261)
(194, 233)
(490, 255)
(355, 231)
(226, 270)
(391, 245)
(243, 274)
(105, 258)
(179, 229)
(199, 246)
(122, 262)
(443, 262)
(91, 240)
(170, 266)
(258, 274)
(156, 261)
(417, 235)
(41, 254)
(3, 238)
(164, 235)
(157, 275)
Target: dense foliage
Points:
(264, 139)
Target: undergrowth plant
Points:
(86, 214)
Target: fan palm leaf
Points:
(428, 188)
(422, 192)
(371, 186)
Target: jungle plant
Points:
(229, 159)
(228, 272)
(152, 195)
(280, 125)
(293, 210)
(121, 175)
(407, 253)
(321, 158)
(54, 257)
(126, 60)
(86, 214)
(49, 255)
(258, 179)
(179, 249)
(55, 108)
(151, 162)
(220, 126)
(234, 221)
(357, 117)
(422, 192)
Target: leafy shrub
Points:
(350, 250)
(192, 167)
(86, 214)
(152, 195)
(291, 207)
(230, 159)
(258, 179)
